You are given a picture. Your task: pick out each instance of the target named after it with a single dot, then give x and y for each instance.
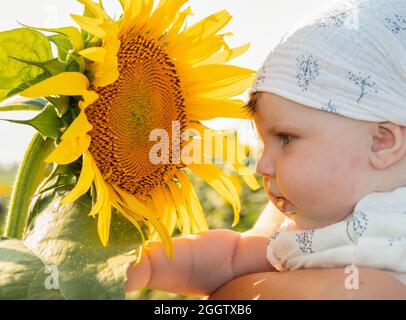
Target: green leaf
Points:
(20, 107)
(26, 105)
(23, 275)
(46, 122)
(66, 237)
(78, 65)
(27, 84)
(51, 67)
(61, 180)
(63, 45)
(94, 42)
(61, 104)
(24, 44)
(71, 33)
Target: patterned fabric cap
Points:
(349, 60)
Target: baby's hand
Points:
(204, 262)
(139, 275)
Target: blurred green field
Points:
(218, 214)
(7, 177)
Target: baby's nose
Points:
(265, 167)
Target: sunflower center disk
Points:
(146, 96)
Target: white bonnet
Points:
(349, 60)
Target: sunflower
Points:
(148, 70)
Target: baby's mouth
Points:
(285, 207)
(281, 203)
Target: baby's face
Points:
(316, 160)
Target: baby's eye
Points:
(285, 138)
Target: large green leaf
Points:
(64, 238)
(24, 44)
(23, 275)
(70, 33)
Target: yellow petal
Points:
(106, 73)
(208, 26)
(130, 10)
(96, 54)
(218, 75)
(134, 205)
(227, 55)
(203, 108)
(221, 183)
(217, 81)
(179, 200)
(102, 194)
(103, 223)
(237, 184)
(251, 181)
(135, 15)
(149, 203)
(90, 25)
(164, 15)
(79, 127)
(69, 150)
(170, 219)
(139, 253)
(233, 157)
(111, 29)
(94, 8)
(224, 92)
(116, 203)
(106, 76)
(129, 215)
(178, 23)
(168, 211)
(65, 83)
(102, 207)
(85, 180)
(195, 208)
(88, 98)
(224, 145)
(123, 3)
(198, 52)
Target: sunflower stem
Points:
(30, 174)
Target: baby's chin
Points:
(307, 221)
(302, 223)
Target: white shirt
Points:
(374, 235)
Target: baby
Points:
(329, 106)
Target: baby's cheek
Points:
(322, 180)
(301, 180)
(355, 162)
(337, 181)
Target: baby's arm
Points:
(203, 263)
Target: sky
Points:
(259, 22)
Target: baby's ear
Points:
(389, 145)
